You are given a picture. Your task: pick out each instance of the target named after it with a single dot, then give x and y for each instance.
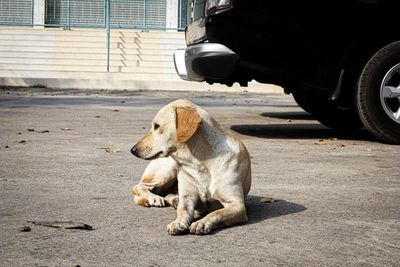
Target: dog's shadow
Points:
(258, 211)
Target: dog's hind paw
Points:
(200, 227)
(176, 228)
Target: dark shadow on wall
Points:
(257, 211)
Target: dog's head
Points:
(173, 126)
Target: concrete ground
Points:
(338, 198)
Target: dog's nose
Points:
(134, 150)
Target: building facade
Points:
(130, 14)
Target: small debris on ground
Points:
(23, 229)
(64, 224)
(44, 131)
(66, 129)
(333, 139)
(21, 142)
(30, 130)
(111, 149)
(320, 142)
(268, 200)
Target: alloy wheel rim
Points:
(390, 93)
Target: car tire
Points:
(378, 94)
(330, 114)
(300, 100)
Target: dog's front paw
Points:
(155, 201)
(177, 227)
(200, 227)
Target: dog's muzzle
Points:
(134, 151)
(138, 153)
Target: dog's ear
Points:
(187, 122)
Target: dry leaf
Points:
(64, 224)
(268, 200)
(111, 149)
(23, 229)
(320, 142)
(66, 129)
(30, 130)
(21, 142)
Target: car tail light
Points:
(217, 6)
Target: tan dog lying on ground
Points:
(209, 164)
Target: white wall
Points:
(172, 14)
(38, 12)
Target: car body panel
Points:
(298, 43)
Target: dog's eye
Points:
(156, 126)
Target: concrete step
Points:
(13, 75)
(87, 68)
(90, 32)
(77, 54)
(84, 50)
(89, 39)
(121, 81)
(84, 62)
(129, 45)
(124, 51)
(77, 58)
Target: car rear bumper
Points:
(205, 61)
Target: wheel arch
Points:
(361, 53)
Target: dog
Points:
(196, 166)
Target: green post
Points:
(144, 16)
(107, 24)
(33, 12)
(69, 15)
(180, 15)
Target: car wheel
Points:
(378, 94)
(330, 114)
(300, 100)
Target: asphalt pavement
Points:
(65, 157)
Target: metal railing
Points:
(142, 15)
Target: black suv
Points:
(340, 59)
